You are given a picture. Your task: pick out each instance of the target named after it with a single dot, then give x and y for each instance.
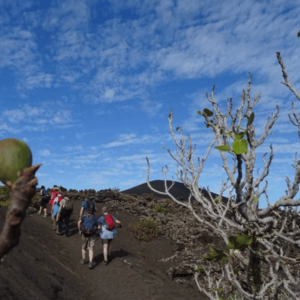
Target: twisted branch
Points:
(22, 191)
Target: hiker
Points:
(53, 193)
(108, 232)
(88, 227)
(55, 208)
(43, 201)
(85, 205)
(64, 214)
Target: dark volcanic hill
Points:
(179, 190)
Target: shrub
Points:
(144, 229)
(162, 209)
(35, 201)
(4, 190)
(4, 196)
(116, 190)
(259, 244)
(5, 203)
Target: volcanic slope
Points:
(178, 190)
(46, 266)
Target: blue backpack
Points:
(89, 225)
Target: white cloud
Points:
(92, 58)
(121, 58)
(132, 138)
(73, 148)
(30, 118)
(14, 116)
(45, 152)
(96, 178)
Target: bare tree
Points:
(22, 191)
(259, 259)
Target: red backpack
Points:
(54, 193)
(110, 224)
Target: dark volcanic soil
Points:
(46, 266)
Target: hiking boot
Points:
(59, 233)
(105, 262)
(39, 212)
(45, 216)
(91, 265)
(83, 261)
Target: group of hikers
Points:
(88, 225)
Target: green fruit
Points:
(15, 156)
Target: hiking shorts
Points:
(88, 242)
(106, 241)
(44, 203)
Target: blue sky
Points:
(89, 84)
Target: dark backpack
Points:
(44, 193)
(68, 208)
(88, 226)
(90, 205)
(110, 223)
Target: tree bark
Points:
(22, 191)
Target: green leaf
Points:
(256, 199)
(244, 240)
(239, 242)
(208, 112)
(251, 118)
(199, 270)
(217, 199)
(240, 146)
(199, 112)
(298, 34)
(240, 135)
(214, 254)
(223, 148)
(232, 243)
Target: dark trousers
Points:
(66, 219)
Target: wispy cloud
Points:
(121, 58)
(73, 148)
(132, 138)
(77, 69)
(30, 118)
(45, 152)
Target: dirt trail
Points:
(46, 266)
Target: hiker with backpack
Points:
(85, 205)
(64, 214)
(53, 194)
(108, 232)
(43, 201)
(55, 208)
(88, 227)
